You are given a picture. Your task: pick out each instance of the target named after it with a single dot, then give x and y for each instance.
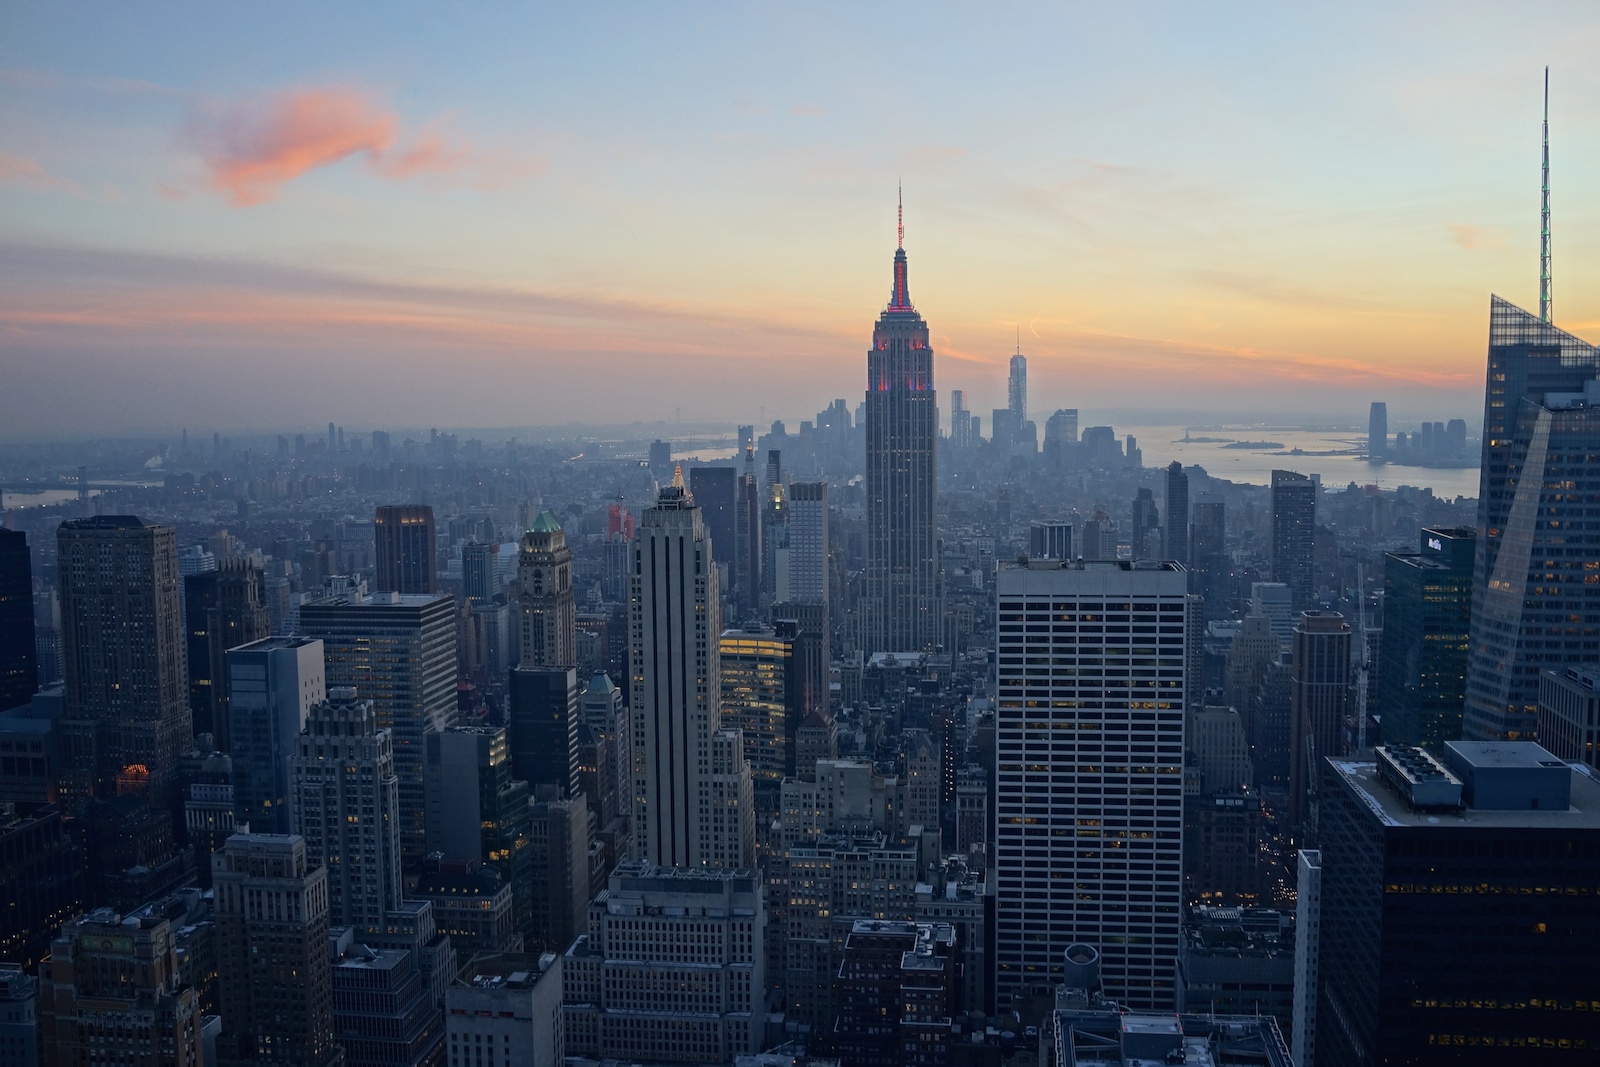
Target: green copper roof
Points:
(545, 523)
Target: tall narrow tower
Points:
(903, 608)
(549, 604)
(1545, 296)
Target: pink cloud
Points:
(23, 170)
(429, 153)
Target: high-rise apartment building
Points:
(272, 686)
(1177, 528)
(110, 994)
(1089, 794)
(1427, 617)
(1320, 699)
(126, 722)
(549, 604)
(675, 620)
(347, 807)
(1458, 907)
(1535, 606)
(225, 607)
(673, 967)
(272, 953)
(19, 670)
(397, 650)
(1378, 432)
(406, 547)
(902, 599)
(1294, 528)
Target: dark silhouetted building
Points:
(713, 488)
(19, 673)
(1459, 913)
(542, 728)
(1427, 618)
(41, 881)
(1535, 605)
(1177, 544)
(224, 608)
(1378, 431)
(477, 812)
(893, 993)
(272, 685)
(1319, 701)
(406, 547)
(1294, 527)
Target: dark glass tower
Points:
(405, 540)
(1427, 611)
(1177, 513)
(903, 603)
(1294, 527)
(227, 608)
(1536, 582)
(19, 674)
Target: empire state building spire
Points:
(900, 298)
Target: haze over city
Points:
(258, 217)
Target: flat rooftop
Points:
(1392, 809)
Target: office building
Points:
(347, 807)
(902, 598)
(1534, 606)
(406, 549)
(774, 533)
(1210, 565)
(761, 697)
(480, 571)
(1017, 389)
(559, 872)
(1427, 621)
(542, 721)
(1378, 432)
(383, 1011)
(19, 669)
(1294, 527)
(805, 573)
(960, 419)
(1085, 1029)
(1569, 714)
(476, 811)
(272, 953)
(504, 1010)
(1089, 846)
(126, 722)
(224, 607)
(1144, 526)
(1307, 953)
(675, 621)
(397, 650)
(1238, 961)
(671, 969)
(1274, 601)
(41, 880)
(895, 1000)
(747, 556)
(1049, 539)
(548, 603)
(1320, 701)
(19, 1017)
(110, 994)
(272, 686)
(472, 907)
(1458, 907)
(1177, 528)
(713, 488)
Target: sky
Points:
(269, 216)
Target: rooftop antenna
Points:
(1019, 339)
(900, 194)
(1544, 212)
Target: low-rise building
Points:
(505, 1009)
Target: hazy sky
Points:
(273, 215)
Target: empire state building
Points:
(903, 605)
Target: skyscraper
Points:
(1427, 617)
(902, 605)
(1089, 798)
(478, 813)
(1378, 432)
(399, 651)
(19, 673)
(1294, 527)
(1017, 390)
(713, 489)
(126, 719)
(1177, 546)
(347, 807)
(805, 577)
(960, 419)
(675, 620)
(272, 953)
(1319, 701)
(405, 542)
(549, 603)
(1535, 606)
(1210, 567)
(272, 685)
(480, 571)
(225, 607)
(746, 566)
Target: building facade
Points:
(1427, 623)
(272, 686)
(406, 549)
(1294, 527)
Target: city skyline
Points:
(198, 215)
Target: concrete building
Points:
(1085, 1030)
(1238, 961)
(504, 1010)
(397, 650)
(1307, 943)
(272, 953)
(671, 970)
(548, 602)
(110, 994)
(471, 905)
(347, 807)
(273, 684)
(1089, 842)
(805, 571)
(1569, 714)
(19, 1017)
(384, 1014)
(894, 994)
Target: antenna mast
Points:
(900, 198)
(1544, 212)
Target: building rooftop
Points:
(503, 970)
(1100, 1034)
(1392, 808)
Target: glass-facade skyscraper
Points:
(902, 609)
(1427, 613)
(1536, 582)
